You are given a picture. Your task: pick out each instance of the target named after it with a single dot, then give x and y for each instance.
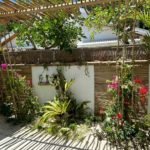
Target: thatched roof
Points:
(25, 9)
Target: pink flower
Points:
(143, 90)
(4, 67)
(119, 115)
(113, 85)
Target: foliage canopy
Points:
(120, 17)
(49, 32)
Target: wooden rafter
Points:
(7, 40)
(22, 8)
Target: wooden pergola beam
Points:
(8, 40)
(44, 8)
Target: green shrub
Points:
(147, 120)
(6, 109)
(19, 98)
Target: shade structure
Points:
(23, 9)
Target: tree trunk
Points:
(32, 42)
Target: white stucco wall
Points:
(106, 34)
(13, 42)
(82, 88)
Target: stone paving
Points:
(23, 138)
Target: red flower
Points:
(113, 117)
(119, 116)
(126, 103)
(138, 80)
(4, 66)
(143, 100)
(127, 117)
(143, 90)
(120, 93)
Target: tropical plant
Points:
(62, 86)
(63, 114)
(56, 109)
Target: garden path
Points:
(23, 138)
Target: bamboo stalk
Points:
(11, 88)
(117, 65)
(133, 57)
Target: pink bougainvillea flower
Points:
(143, 90)
(113, 85)
(119, 116)
(4, 66)
(137, 80)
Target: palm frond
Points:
(144, 16)
(54, 108)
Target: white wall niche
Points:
(82, 88)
